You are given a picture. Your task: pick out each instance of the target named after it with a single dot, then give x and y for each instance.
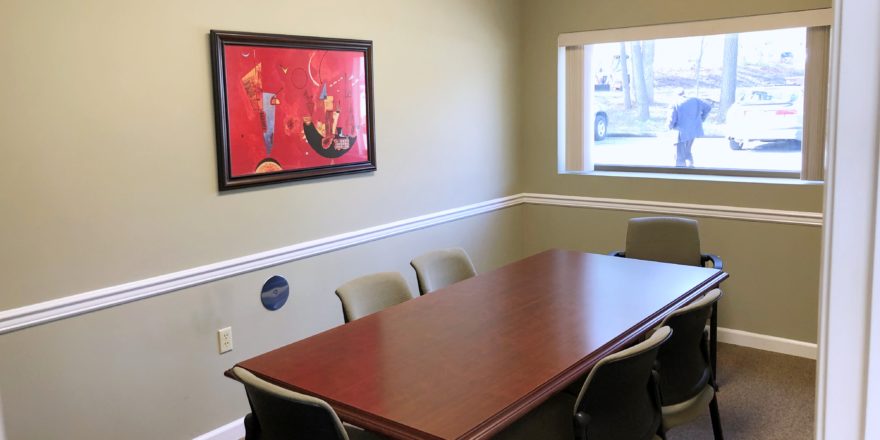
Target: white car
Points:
(766, 114)
(600, 126)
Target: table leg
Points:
(713, 344)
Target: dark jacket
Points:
(687, 118)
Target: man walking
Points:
(687, 118)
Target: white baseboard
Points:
(768, 343)
(233, 430)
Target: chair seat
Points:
(681, 413)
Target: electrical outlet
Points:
(224, 338)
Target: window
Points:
(731, 97)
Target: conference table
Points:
(466, 361)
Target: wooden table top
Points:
(466, 361)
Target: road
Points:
(707, 152)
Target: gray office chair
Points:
(683, 366)
(620, 398)
(438, 269)
(671, 240)
(666, 239)
(277, 413)
(372, 293)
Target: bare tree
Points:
(728, 74)
(624, 71)
(699, 66)
(639, 77)
(648, 62)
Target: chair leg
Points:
(716, 419)
(713, 345)
(661, 433)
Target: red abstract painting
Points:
(291, 107)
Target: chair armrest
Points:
(621, 254)
(715, 259)
(581, 420)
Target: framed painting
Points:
(290, 107)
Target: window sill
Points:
(696, 177)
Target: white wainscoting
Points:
(78, 304)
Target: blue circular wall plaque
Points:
(274, 293)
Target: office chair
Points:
(372, 293)
(438, 269)
(686, 385)
(671, 240)
(620, 398)
(666, 239)
(277, 413)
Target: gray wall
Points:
(150, 369)
(109, 178)
(774, 268)
(109, 148)
(773, 287)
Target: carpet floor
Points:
(763, 396)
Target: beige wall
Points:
(109, 150)
(150, 369)
(109, 177)
(773, 287)
(544, 21)
(774, 268)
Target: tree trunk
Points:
(624, 71)
(648, 62)
(699, 66)
(639, 77)
(728, 74)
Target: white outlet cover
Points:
(224, 339)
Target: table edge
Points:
(519, 408)
(504, 418)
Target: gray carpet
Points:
(764, 395)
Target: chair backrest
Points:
(278, 413)
(620, 397)
(683, 362)
(372, 293)
(438, 269)
(665, 239)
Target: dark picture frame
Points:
(291, 107)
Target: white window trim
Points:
(575, 136)
(808, 18)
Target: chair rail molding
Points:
(674, 208)
(81, 303)
(78, 304)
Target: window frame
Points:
(575, 136)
